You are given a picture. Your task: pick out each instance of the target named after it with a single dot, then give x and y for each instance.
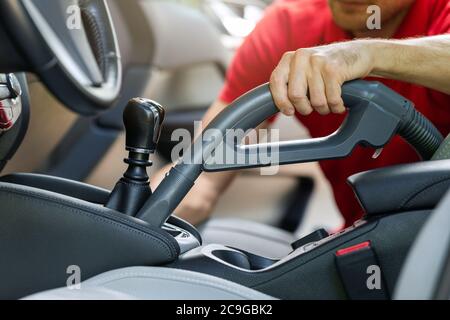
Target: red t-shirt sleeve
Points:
(258, 55)
(441, 25)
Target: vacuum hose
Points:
(375, 115)
(420, 133)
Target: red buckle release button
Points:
(352, 249)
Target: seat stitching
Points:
(76, 205)
(158, 276)
(10, 188)
(98, 218)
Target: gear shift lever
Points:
(143, 120)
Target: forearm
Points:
(422, 61)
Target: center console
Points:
(311, 271)
(54, 223)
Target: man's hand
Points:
(310, 79)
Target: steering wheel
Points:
(375, 115)
(71, 45)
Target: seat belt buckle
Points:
(361, 273)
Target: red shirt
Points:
(292, 24)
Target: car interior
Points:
(78, 97)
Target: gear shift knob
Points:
(143, 121)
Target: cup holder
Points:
(234, 258)
(242, 259)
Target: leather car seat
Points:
(152, 283)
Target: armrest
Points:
(62, 186)
(80, 191)
(400, 188)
